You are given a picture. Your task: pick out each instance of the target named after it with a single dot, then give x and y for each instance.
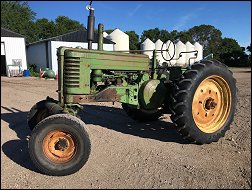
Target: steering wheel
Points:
(167, 50)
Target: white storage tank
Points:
(158, 46)
(189, 47)
(121, 39)
(148, 45)
(105, 34)
(180, 47)
(171, 49)
(199, 48)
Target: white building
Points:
(13, 52)
(44, 53)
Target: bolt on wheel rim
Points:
(211, 104)
(59, 146)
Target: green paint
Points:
(152, 94)
(140, 87)
(78, 63)
(97, 75)
(72, 109)
(110, 60)
(128, 94)
(76, 79)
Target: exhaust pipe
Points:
(90, 25)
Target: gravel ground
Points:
(125, 153)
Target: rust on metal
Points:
(107, 95)
(83, 98)
(59, 146)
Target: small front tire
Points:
(59, 145)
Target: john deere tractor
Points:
(201, 98)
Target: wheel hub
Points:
(211, 104)
(59, 146)
(62, 144)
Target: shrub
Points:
(32, 69)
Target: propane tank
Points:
(48, 73)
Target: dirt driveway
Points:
(125, 153)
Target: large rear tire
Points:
(59, 145)
(204, 102)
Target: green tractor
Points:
(200, 97)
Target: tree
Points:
(18, 17)
(64, 25)
(249, 48)
(174, 35)
(249, 56)
(133, 40)
(164, 35)
(152, 34)
(44, 29)
(109, 31)
(208, 36)
(228, 45)
(155, 34)
(183, 36)
(231, 54)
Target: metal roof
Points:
(75, 36)
(8, 33)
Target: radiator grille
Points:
(72, 72)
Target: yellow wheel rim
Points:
(211, 104)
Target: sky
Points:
(232, 18)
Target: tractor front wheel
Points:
(59, 145)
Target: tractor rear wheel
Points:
(204, 102)
(141, 114)
(59, 145)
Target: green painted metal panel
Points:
(76, 76)
(152, 94)
(129, 94)
(111, 60)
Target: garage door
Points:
(2, 48)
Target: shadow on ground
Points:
(109, 117)
(117, 120)
(17, 150)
